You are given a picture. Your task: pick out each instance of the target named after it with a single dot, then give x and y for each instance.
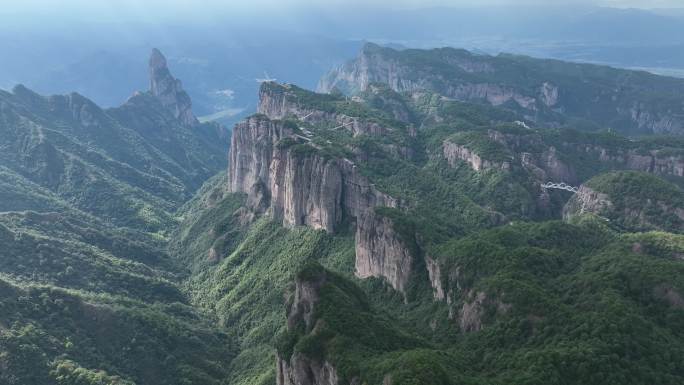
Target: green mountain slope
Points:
(429, 275)
(585, 95)
(103, 162)
(88, 292)
(388, 238)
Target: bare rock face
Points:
(374, 65)
(300, 369)
(651, 162)
(286, 177)
(449, 72)
(435, 274)
(549, 94)
(169, 90)
(299, 188)
(454, 152)
(642, 212)
(472, 313)
(380, 251)
(493, 94)
(656, 123)
(279, 101)
(586, 200)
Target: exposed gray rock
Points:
(302, 370)
(435, 274)
(381, 252)
(448, 72)
(638, 216)
(471, 314)
(586, 200)
(277, 102)
(455, 152)
(169, 90)
(300, 188)
(549, 94)
(306, 296)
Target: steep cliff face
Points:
(454, 152)
(302, 370)
(435, 275)
(299, 369)
(587, 200)
(169, 90)
(649, 161)
(295, 183)
(554, 162)
(381, 251)
(289, 177)
(281, 101)
(541, 90)
(633, 200)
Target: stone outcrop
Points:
(381, 252)
(642, 212)
(169, 90)
(586, 200)
(435, 275)
(472, 313)
(549, 94)
(302, 370)
(286, 176)
(298, 369)
(522, 84)
(295, 186)
(280, 101)
(455, 152)
(649, 161)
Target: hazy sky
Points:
(100, 10)
(45, 13)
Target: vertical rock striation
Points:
(381, 251)
(169, 90)
(295, 183)
(287, 177)
(299, 369)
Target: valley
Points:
(392, 228)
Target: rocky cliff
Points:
(299, 369)
(169, 90)
(282, 101)
(454, 152)
(291, 178)
(381, 251)
(286, 176)
(542, 90)
(302, 370)
(632, 200)
(587, 200)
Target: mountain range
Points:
(428, 217)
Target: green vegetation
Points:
(50, 335)
(641, 201)
(110, 273)
(567, 303)
(88, 293)
(586, 94)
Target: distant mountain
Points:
(88, 292)
(131, 164)
(546, 91)
(457, 218)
